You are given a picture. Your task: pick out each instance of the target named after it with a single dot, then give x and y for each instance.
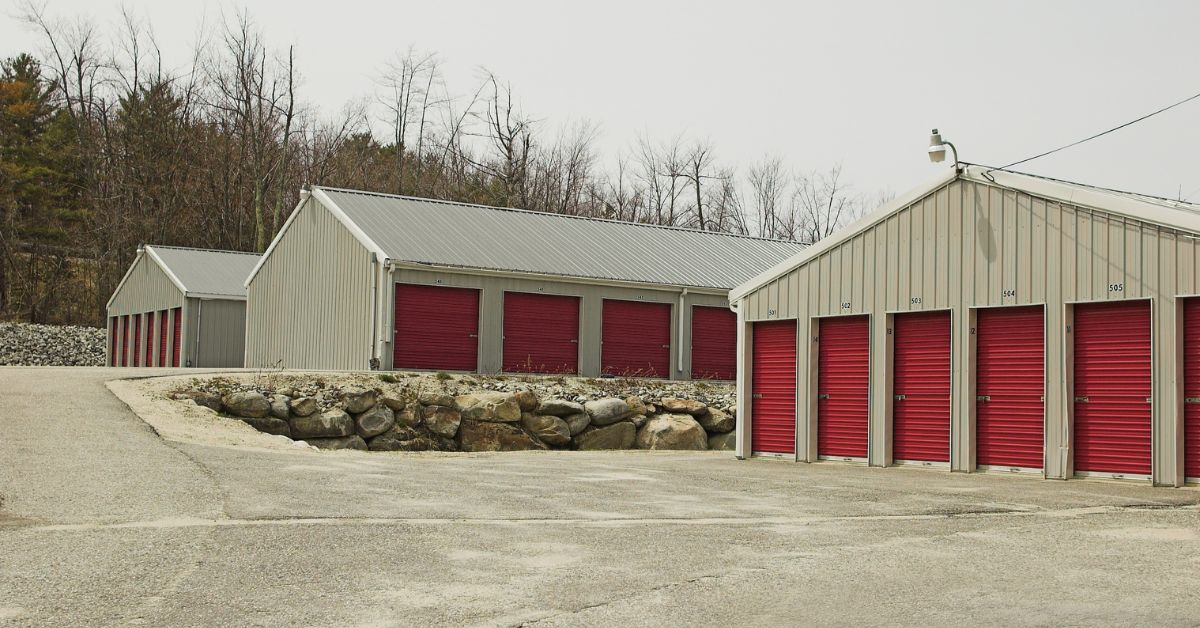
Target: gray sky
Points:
(856, 83)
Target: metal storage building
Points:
(180, 307)
(990, 320)
(358, 280)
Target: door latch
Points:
(823, 396)
(1081, 400)
(983, 397)
(898, 397)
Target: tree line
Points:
(102, 148)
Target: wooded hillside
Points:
(102, 148)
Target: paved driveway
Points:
(103, 522)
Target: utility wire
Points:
(1116, 128)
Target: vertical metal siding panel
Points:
(1085, 244)
(797, 291)
(904, 265)
(1185, 256)
(1008, 246)
(1104, 268)
(954, 244)
(324, 298)
(916, 260)
(1021, 282)
(930, 268)
(1133, 273)
(1037, 259)
(1070, 252)
(985, 243)
(824, 280)
(998, 240)
(1057, 406)
(891, 246)
(148, 288)
(222, 334)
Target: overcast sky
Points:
(817, 83)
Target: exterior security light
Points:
(937, 149)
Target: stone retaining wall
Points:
(380, 420)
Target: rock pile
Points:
(378, 420)
(23, 344)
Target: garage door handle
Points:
(756, 396)
(983, 398)
(666, 346)
(824, 396)
(1149, 399)
(1191, 399)
(1081, 400)
(575, 341)
(472, 335)
(898, 397)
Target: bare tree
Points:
(824, 204)
(408, 83)
(769, 182)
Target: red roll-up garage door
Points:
(177, 317)
(1009, 385)
(436, 328)
(921, 387)
(843, 376)
(636, 339)
(112, 341)
(1112, 387)
(1191, 388)
(773, 388)
(137, 339)
(149, 357)
(162, 338)
(125, 340)
(541, 333)
(714, 343)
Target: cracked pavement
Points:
(103, 522)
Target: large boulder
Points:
(527, 399)
(607, 411)
(329, 424)
(395, 403)
(442, 420)
(489, 406)
(716, 421)
(685, 406)
(342, 442)
(375, 421)
(548, 428)
(672, 431)
(386, 442)
(303, 406)
(409, 416)
(279, 407)
(435, 398)
(639, 420)
(616, 436)
(356, 400)
(638, 406)
(270, 425)
(246, 404)
(559, 407)
(577, 422)
(723, 442)
(490, 436)
(206, 399)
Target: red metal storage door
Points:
(162, 338)
(177, 316)
(714, 343)
(921, 387)
(1009, 385)
(636, 339)
(112, 341)
(1191, 388)
(541, 333)
(843, 380)
(149, 357)
(137, 339)
(436, 328)
(1112, 387)
(773, 388)
(125, 340)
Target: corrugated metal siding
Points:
(971, 244)
(147, 288)
(591, 297)
(221, 341)
(309, 305)
(1010, 384)
(415, 230)
(541, 333)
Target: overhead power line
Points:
(1102, 133)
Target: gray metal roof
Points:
(205, 271)
(461, 235)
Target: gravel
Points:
(23, 344)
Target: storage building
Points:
(358, 280)
(988, 321)
(180, 307)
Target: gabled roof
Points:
(1164, 212)
(205, 272)
(459, 235)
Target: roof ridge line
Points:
(205, 250)
(555, 215)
